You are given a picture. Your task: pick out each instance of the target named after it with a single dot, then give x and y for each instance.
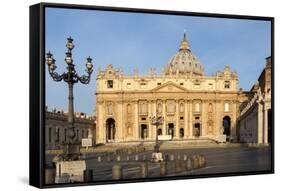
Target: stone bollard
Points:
(189, 164)
(116, 172)
(99, 158)
(204, 161)
(137, 157)
(144, 158)
(184, 157)
(50, 174)
(108, 158)
(171, 157)
(128, 158)
(118, 158)
(178, 167)
(166, 157)
(163, 169)
(200, 161)
(195, 162)
(88, 175)
(143, 170)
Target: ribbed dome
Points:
(184, 62)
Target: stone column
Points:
(120, 123)
(265, 124)
(260, 123)
(217, 122)
(101, 129)
(136, 121)
(153, 111)
(234, 120)
(186, 128)
(150, 127)
(176, 130)
(190, 120)
(203, 119)
(165, 118)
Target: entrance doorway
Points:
(144, 131)
(197, 129)
(110, 130)
(171, 129)
(226, 126)
(181, 132)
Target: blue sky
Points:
(134, 40)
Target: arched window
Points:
(159, 107)
(171, 108)
(181, 107)
(210, 108)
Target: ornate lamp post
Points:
(71, 151)
(156, 156)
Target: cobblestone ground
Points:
(219, 160)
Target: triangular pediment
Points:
(170, 87)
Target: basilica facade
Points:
(194, 105)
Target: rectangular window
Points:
(143, 108)
(109, 83)
(226, 107)
(159, 84)
(226, 84)
(65, 134)
(143, 85)
(196, 86)
(181, 83)
(58, 135)
(181, 118)
(197, 107)
(50, 135)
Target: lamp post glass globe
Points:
(53, 66)
(49, 59)
(89, 64)
(69, 43)
(68, 58)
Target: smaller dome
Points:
(184, 62)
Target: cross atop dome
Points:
(184, 43)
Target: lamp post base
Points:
(70, 171)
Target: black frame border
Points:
(37, 91)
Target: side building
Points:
(255, 120)
(56, 128)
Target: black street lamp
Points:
(72, 149)
(156, 121)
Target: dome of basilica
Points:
(184, 62)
